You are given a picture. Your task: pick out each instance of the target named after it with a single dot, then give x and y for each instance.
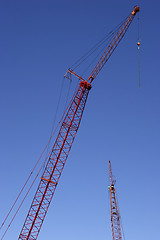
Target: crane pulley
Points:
(64, 141)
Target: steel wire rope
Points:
(96, 46)
(70, 82)
(31, 174)
(139, 68)
(36, 162)
(138, 43)
(54, 120)
(89, 54)
(102, 50)
(23, 199)
(106, 42)
(94, 49)
(52, 133)
(55, 116)
(85, 56)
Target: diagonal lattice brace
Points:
(55, 165)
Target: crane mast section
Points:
(110, 174)
(112, 46)
(115, 216)
(55, 165)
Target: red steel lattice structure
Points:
(63, 143)
(55, 164)
(115, 216)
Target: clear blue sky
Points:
(39, 40)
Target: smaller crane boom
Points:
(115, 216)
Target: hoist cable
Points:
(139, 68)
(105, 41)
(23, 199)
(96, 46)
(138, 44)
(70, 82)
(52, 133)
(91, 52)
(55, 116)
(31, 174)
(138, 27)
(102, 50)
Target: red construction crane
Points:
(64, 141)
(115, 216)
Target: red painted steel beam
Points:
(55, 165)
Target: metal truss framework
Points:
(55, 165)
(63, 143)
(115, 217)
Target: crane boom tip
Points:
(135, 10)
